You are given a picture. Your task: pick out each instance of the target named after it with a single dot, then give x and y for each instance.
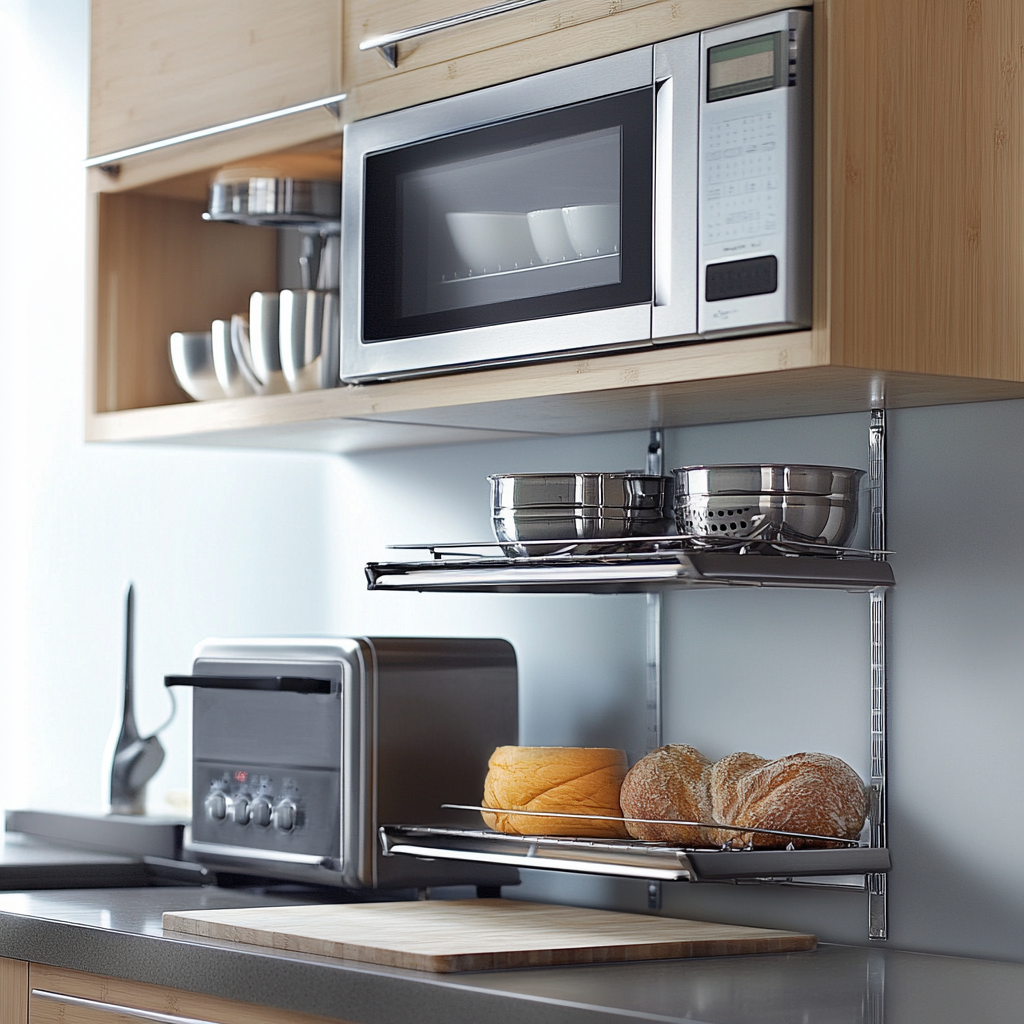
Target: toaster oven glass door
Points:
(536, 216)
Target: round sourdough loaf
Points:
(669, 784)
(569, 780)
(809, 792)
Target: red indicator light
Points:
(241, 776)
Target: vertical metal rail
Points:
(655, 462)
(654, 468)
(875, 989)
(878, 924)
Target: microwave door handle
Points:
(677, 95)
(276, 684)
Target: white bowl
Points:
(593, 230)
(192, 363)
(489, 242)
(550, 238)
(229, 375)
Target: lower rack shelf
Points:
(625, 858)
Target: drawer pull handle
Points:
(110, 160)
(129, 1011)
(387, 44)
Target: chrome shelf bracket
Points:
(878, 924)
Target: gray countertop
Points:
(118, 932)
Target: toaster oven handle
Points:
(277, 684)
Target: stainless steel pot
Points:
(574, 507)
(623, 490)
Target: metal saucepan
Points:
(572, 490)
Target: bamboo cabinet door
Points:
(164, 67)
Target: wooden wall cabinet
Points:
(918, 249)
(99, 1000)
(164, 67)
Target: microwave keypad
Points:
(741, 180)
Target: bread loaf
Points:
(814, 793)
(570, 780)
(669, 783)
(810, 793)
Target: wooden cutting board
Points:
(477, 935)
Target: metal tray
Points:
(628, 858)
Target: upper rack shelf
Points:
(660, 564)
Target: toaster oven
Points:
(303, 748)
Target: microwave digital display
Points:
(745, 66)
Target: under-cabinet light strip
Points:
(202, 133)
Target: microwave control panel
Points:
(754, 175)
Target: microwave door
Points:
(514, 239)
(677, 77)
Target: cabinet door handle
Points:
(111, 159)
(387, 44)
(128, 1011)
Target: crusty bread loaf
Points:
(669, 783)
(810, 793)
(570, 780)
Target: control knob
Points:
(240, 810)
(284, 815)
(262, 811)
(216, 806)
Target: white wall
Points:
(248, 543)
(215, 542)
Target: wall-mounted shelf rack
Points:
(651, 565)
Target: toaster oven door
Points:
(266, 775)
(494, 226)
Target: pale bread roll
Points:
(571, 780)
(669, 783)
(809, 792)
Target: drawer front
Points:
(162, 68)
(71, 997)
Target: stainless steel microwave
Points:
(660, 195)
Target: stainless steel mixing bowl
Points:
(807, 519)
(576, 507)
(767, 479)
(773, 503)
(571, 490)
(602, 525)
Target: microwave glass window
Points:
(538, 216)
(746, 66)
